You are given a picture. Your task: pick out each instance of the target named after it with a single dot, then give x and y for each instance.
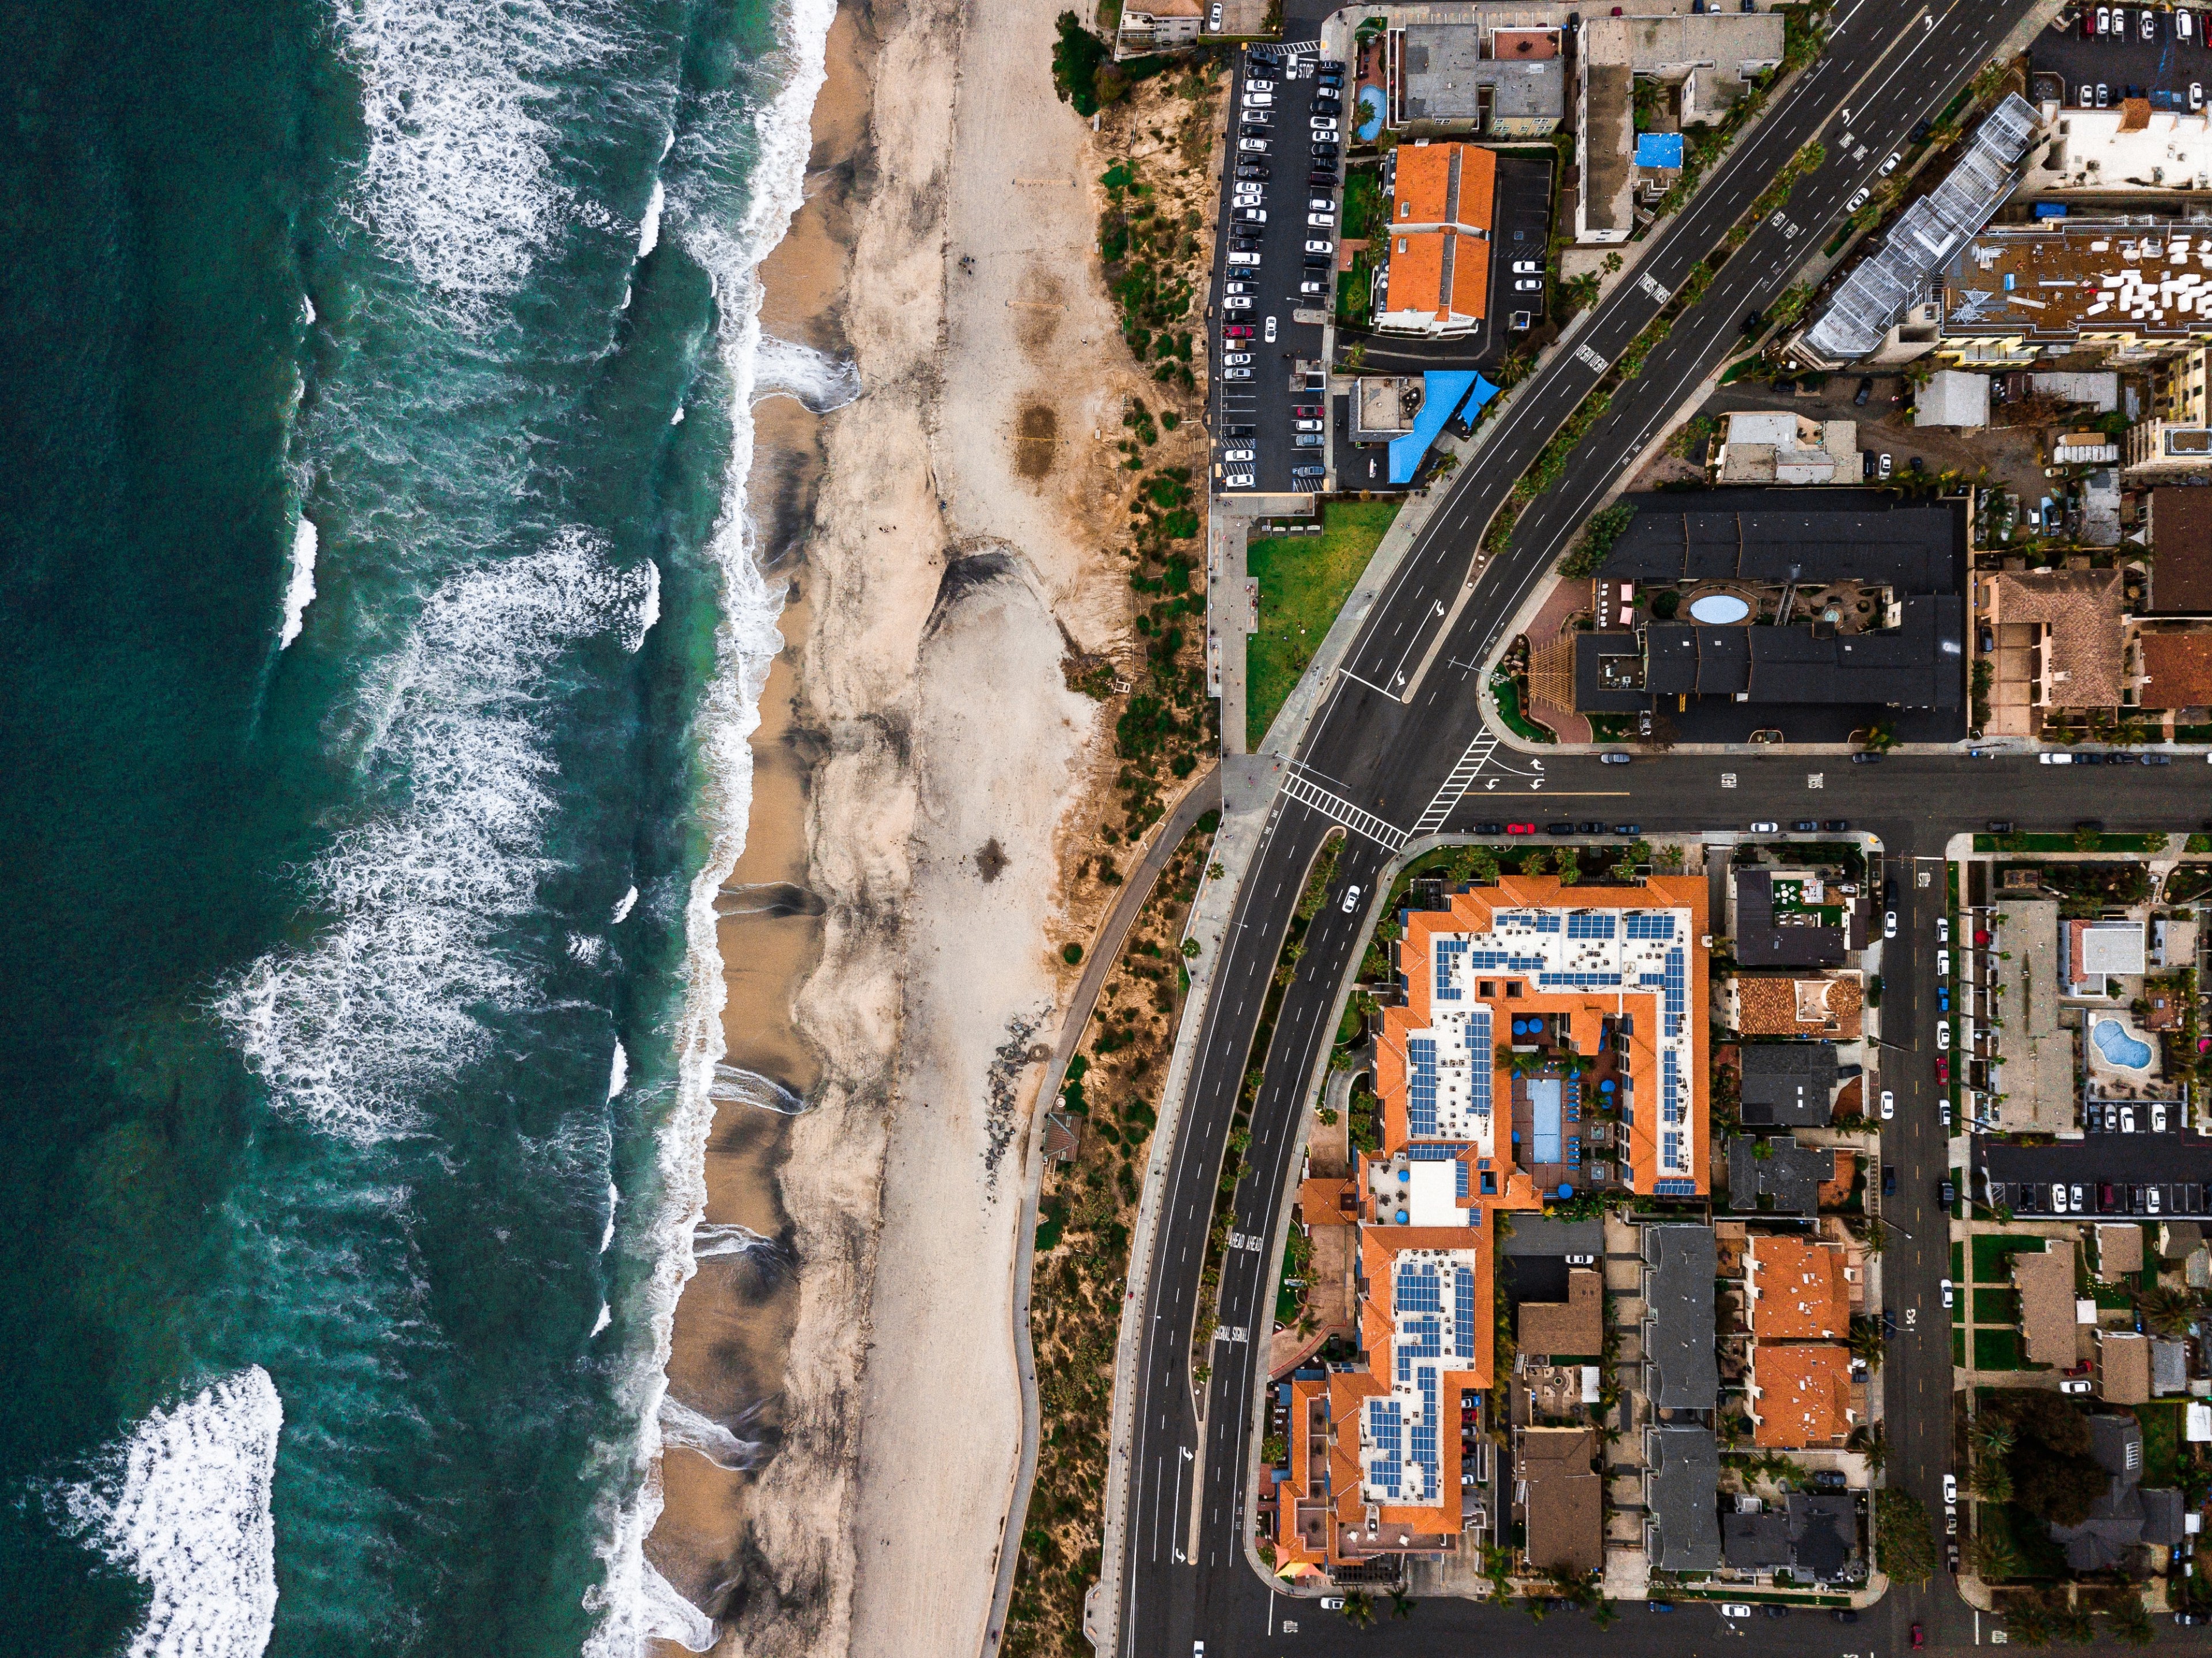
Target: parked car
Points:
(1615, 758)
(1844, 1615)
(1881, 466)
(1660, 1606)
(1306, 426)
(1236, 374)
(1322, 221)
(1890, 166)
(2060, 758)
(1490, 828)
(1946, 1194)
(1942, 1069)
(1320, 244)
(1237, 331)
(1240, 480)
(1889, 924)
(1836, 825)
(1235, 359)
(1865, 391)
(1942, 929)
(1735, 1609)
(1888, 1104)
(1866, 757)
(1804, 826)
(1628, 831)
(1528, 284)
(1240, 454)
(1766, 829)
(1920, 1636)
(1520, 829)
(1857, 201)
(1250, 146)
(1527, 268)
(1237, 302)
(1251, 215)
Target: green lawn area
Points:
(1958, 1262)
(1992, 1254)
(1508, 707)
(1995, 1307)
(2065, 843)
(1957, 1347)
(1364, 207)
(2161, 1430)
(1303, 583)
(1997, 1350)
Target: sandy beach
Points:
(925, 783)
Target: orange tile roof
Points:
(1805, 1395)
(2180, 667)
(1444, 185)
(1777, 1005)
(1800, 1292)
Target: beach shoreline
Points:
(926, 785)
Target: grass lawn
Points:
(1958, 1262)
(1992, 1254)
(1303, 583)
(1996, 1307)
(1364, 207)
(1997, 1350)
(2162, 1431)
(2065, 843)
(1508, 707)
(1957, 1347)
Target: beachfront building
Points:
(1434, 278)
(1535, 1017)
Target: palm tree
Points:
(2131, 1622)
(1994, 1557)
(2028, 1626)
(1991, 1480)
(1868, 1441)
(1865, 1342)
(2166, 1311)
(1993, 1435)
(1359, 1609)
(1402, 1604)
(1606, 1614)
(2074, 1627)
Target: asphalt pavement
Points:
(1398, 720)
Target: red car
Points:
(1920, 1636)
(1305, 411)
(1942, 1069)
(1237, 331)
(1520, 829)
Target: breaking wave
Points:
(818, 379)
(694, 1430)
(738, 1086)
(185, 1509)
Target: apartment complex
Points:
(1537, 1018)
(1434, 278)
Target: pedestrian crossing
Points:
(1455, 785)
(1306, 791)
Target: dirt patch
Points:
(1037, 440)
(1039, 305)
(991, 862)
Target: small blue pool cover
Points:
(1659, 149)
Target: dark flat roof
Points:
(1760, 535)
(1679, 1316)
(1787, 1084)
(1760, 942)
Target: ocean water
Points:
(380, 635)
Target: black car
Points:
(1804, 826)
(1240, 431)
(1753, 322)
(1252, 170)
(1593, 828)
(1844, 1615)
(1323, 152)
(1490, 828)
(2094, 825)
(1769, 1609)
(1921, 129)
(1836, 825)
(1320, 180)
(1866, 757)
(1889, 1181)
(1866, 390)
(1561, 829)
(1888, 1325)
(1630, 830)
(1946, 1193)
(1889, 893)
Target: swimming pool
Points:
(1371, 114)
(2118, 1047)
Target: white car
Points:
(1320, 204)
(1351, 900)
(1942, 929)
(1240, 480)
(1888, 1104)
(1258, 100)
(2050, 759)
(2195, 90)
(1735, 1609)
(1331, 1603)
(1252, 146)
(1857, 201)
(1307, 426)
(2104, 21)
(1237, 302)
(1890, 166)
(1251, 215)
(1943, 1033)
(1889, 924)
(1236, 374)
(1235, 359)
(1950, 1490)
(1527, 268)
(1213, 16)
(2184, 26)
(1269, 333)
(1766, 829)
(1950, 1480)
(1324, 122)
(1239, 260)
(1942, 963)
(1240, 454)
(1322, 221)
(1324, 246)
(2149, 24)
(2080, 1386)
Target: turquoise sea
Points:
(378, 638)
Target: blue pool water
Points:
(1370, 115)
(1544, 1094)
(2113, 1042)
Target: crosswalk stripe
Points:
(1306, 791)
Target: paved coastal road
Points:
(1183, 1575)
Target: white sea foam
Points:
(614, 1202)
(635, 1601)
(300, 592)
(185, 1506)
(738, 1086)
(818, 379)
(456, 178)
(676, 419)
(618, 1078)
(648, 229)
(348, 1029)
(307, 311)
(587, 948)
(713, 1238)
(648, 610)
(696, 1431)
(622, 909)
(606, 1317)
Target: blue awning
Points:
(1441, 392)
(1659, 149)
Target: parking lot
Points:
(1266, 377)
(2162, 69)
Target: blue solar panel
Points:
(1589, 927)
(1670, 1088)
(1644, 924)
(1431, 1153)
(1463, 1311)
(1421, 1087)
(1675, 1189)
(1443, 989)
(1677, 989)
(1535, 920)
(1459, 1172)
(1670, 1149)
(1385, 1430)
(1478, 1045)
(1579, 981)
(1417, 1289)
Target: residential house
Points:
(2060, 644)
(1794, 919)
(1681, 1371)
(1788, 1084)
(1561, 1498)
(2123, 1367)
(1786, 1180)
(1799, 1290)
(1795, 1004)
(1574, 1328)
(1681, 1480)
(1802, 1397)
(2044, 1281)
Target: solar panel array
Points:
(1421, 1087)
(1677, 989)
(1530, 921)
(1584, 925)
(1441, 987)
(1386, 1432)
(1478, 1044)
(1579, 981)
(1430, 1153)
(1671, 1108)
(1492, 961)
(1645, 924)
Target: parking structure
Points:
(1271, 373)
(2172, 68)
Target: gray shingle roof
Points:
(1685, 1478)
(1677, 1317)
(1788, 1084)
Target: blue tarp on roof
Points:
(1441, 392)
(1658, 150)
